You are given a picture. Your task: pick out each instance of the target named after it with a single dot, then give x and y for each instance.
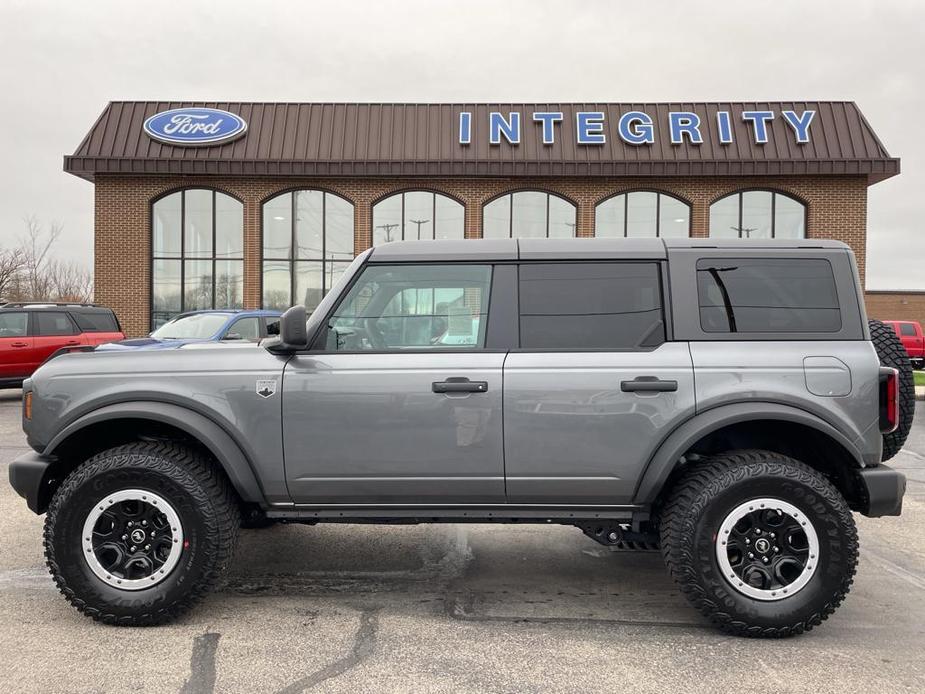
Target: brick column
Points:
(700, 216)
(473, 218)
(253, 251)
(585, 219)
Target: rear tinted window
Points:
(53, 323)
(767, 295)
(907, 329)
(590, 306)
(96, 321)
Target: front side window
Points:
(412, 307)
(53, 323)
(13, 324)
(642, 214)
(785, 295)
(907, 329)
(244, 329)
(588, 306)
(307, 245)
(417, 215)
(758, 214)
(198, 253)
(529, 214)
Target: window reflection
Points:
(529, 214)
(642, 214)
(307, 244)
(758, 214)
(417, 215)
(198, 253)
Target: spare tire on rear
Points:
(892, 353)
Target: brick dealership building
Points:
(261, 204)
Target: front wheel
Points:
(137, 534)
(761, 544)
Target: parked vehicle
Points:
(725, 401)
(910, 334)
(204, 326)
(31, 333)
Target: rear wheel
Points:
(139, 533)
(761, 544)
(891, 352)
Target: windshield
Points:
(198, 326)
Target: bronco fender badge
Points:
(266, 387)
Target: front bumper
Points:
(883, 489)
(30, 477)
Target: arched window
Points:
(307, 244)
(642, 214)
(528, 214)
(418, 214)
(758, 214)
(197, 241)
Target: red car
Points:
(910, 333)
(32, 333)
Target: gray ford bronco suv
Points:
(724, 401)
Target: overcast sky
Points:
(60, 62)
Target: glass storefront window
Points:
(758, 214)
(642, 214)
(307, 243)
(528, 214)
(417, 215)
(197, 239)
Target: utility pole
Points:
(388, 230)
(744, 232)
(419, 222)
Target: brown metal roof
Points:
(340, 139)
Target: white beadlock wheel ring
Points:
(173, 526)
(798, 519)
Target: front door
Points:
(595, 386)
(17, 359)
(401, 404)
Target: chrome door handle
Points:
(459, 385)
(648, 384)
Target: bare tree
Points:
(36, 244)
(11, 264)
(30, 272)
(69, 281)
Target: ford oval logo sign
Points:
(195, 126)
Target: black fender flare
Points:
(680, 440)
(218, 441)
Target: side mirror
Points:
(293, 333)
(232, 336)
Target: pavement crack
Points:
(364, 643)
(202, 665)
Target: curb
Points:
(920, 392)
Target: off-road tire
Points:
(691, 519)
(891, 352)
(199, 493)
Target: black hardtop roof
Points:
(54, 305)
(573, 249)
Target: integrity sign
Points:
(637, 127)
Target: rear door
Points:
(911, 336)
(595, 385)
(16, 359)
(401, 401)
(53, 330)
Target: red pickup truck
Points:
(32, 333)
(910, 333)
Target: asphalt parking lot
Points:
(457, 608)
